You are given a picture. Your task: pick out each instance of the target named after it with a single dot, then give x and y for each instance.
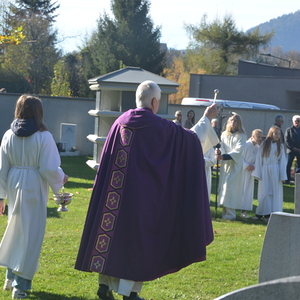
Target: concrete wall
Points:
(57, 110)
(251, 68)
(283, 92)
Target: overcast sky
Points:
(77, 18)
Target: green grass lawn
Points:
(232, 259)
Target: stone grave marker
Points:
(68, 136)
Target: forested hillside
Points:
(287, 31)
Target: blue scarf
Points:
(23, 127)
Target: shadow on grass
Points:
(52, 296)
(52, 212)
(70, 166)
(288, 197)
(78, 185)
(218, 218)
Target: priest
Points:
(149, 213)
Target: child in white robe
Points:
(270, 170)
(29, 164)
(249, 155)
(233, 140)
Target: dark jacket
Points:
(291, 138)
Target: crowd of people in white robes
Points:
(241, 161)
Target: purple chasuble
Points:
(149, 212)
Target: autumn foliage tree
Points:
(179, 70)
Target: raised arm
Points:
(205, 131)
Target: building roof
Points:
(129, 78)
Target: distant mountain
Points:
(287, 31)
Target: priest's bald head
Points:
(148, 95)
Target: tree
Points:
(14, 38)
(218, 45)
(37, 54)
(129, 39)
(68, 77)
(179, 74)
(277, 57)
(27, 8)
(294, 57)
(60, 85)
(8, 36)
(179, 70)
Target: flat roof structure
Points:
(129, 78)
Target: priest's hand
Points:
(211, 111)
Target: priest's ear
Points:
(155, 105)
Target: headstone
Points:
(281, 289)
(297, 193)
(280, 253)
(68, 136)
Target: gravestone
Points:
(279, 270)
(68, 139)
(297, 193)
(281, 289)
(280, 253)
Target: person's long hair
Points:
(266, 144)
(193, 118)
(239, 125)
(30, 107)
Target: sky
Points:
(78, 18)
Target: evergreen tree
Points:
(129, 39)
(25, 8)
(37, 54)
(217, 46)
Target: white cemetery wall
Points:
(59, 110)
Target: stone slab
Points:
(281, 289)
(297, 193)
(280, 256)
(68, 136)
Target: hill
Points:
(287, 31)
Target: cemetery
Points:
(247, 260)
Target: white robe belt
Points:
(23, 167)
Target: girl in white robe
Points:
(270, 170)
(233, 141)
(249, 156)
(29, 162)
